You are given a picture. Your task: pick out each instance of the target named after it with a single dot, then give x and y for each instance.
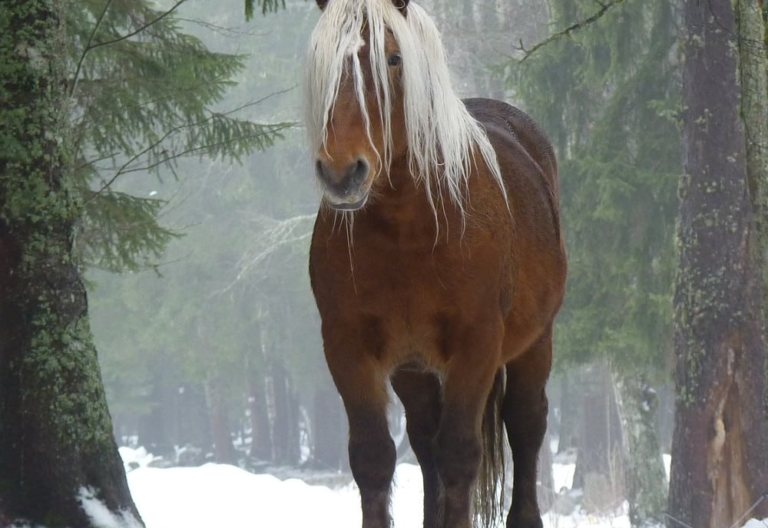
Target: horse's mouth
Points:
(347, 206)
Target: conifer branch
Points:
(186, 152)
(604, 8)
(124, 167)
(88, 47)
(273, 128)
(137, 30)
(266, 5)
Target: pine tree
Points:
(607, 97)
(144, 95)
(90, 92)
(232, 295)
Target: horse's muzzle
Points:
(344, 188)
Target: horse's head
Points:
(377, 91)
(354, 96)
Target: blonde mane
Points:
(443, 138)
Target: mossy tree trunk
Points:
(56, 443)
(645, 479)
(720, 443)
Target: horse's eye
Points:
(395, 59)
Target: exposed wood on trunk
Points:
(720, 445)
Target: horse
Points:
(436, 262)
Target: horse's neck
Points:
(401, 206)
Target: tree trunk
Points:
(329, 429)
(57, 451)
(568, 431)
(720, 442)
(598, 461)
(546, 491)
(645, 477)
(261, 433)
(156, 427)
(191, 417)
(224, 451)
(285, 427)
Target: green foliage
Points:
(232, 294)
(144, 97)
(608, 97)
(266, 6)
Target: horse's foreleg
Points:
(371, 450)
(474, 355)
(525, 416)
(420, 394)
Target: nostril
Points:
(343, 181)
(320, 171)
(359, 172)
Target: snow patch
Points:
(101, 516)
(222, 495)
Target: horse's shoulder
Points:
(521, 127)
(523, 150)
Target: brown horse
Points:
(436, 262)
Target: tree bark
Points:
(645, 478)
(56, 444)
(720, 443)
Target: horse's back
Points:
(522, 129)
(529, 171)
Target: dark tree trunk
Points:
(156, 427)
(720, 442)
(261, 433)
(191, 417)
(598, 469)
(285, 426)
(223, 450)
(329, 429)
(570, 413)
(56, 441)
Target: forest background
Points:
(199, 203)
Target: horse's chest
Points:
(401, 298)
(405, 284)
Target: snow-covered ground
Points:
(223, 495)
(218, 495)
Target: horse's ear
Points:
(321, 4)
(400, 4)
